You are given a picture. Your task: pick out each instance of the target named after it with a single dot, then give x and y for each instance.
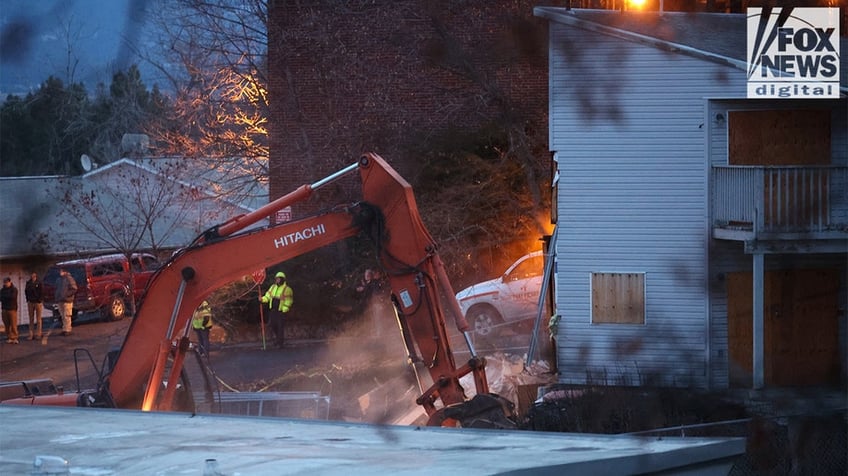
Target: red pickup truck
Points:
(103, 283)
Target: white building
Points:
(702, 236)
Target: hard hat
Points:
(280, 274)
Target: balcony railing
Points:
(774, 200)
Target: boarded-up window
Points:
(618, 298)
(779, 137)
(793, 198)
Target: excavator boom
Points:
(388, 214)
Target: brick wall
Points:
(387, 76)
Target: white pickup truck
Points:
(511, 299)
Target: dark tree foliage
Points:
(46, 132)
(40, 130)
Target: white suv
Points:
(492, 305)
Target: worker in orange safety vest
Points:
(279, 298)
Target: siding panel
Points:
(628, 123)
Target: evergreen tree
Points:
(46, 132)
(41, 133)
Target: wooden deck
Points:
(779, 203)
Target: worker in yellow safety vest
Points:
(279, 298)
(201, 322)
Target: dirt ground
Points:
(327, 367)
(364, 376)
(53, 355)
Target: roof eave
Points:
(566, 17)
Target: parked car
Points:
(511, 299)
(103, 283)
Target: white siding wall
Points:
(628, 123)
(726, 256)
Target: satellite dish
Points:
(87, 163)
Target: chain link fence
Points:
(812, 444)
(787, 431)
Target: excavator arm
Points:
(389, 215)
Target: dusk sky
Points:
(41, 38)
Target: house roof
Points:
(99, 259)
(32, 217)
(718, 37)
(205, 176)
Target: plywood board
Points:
(618, 298)
(801, 329)
(779, 137)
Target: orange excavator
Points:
(156, 344)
